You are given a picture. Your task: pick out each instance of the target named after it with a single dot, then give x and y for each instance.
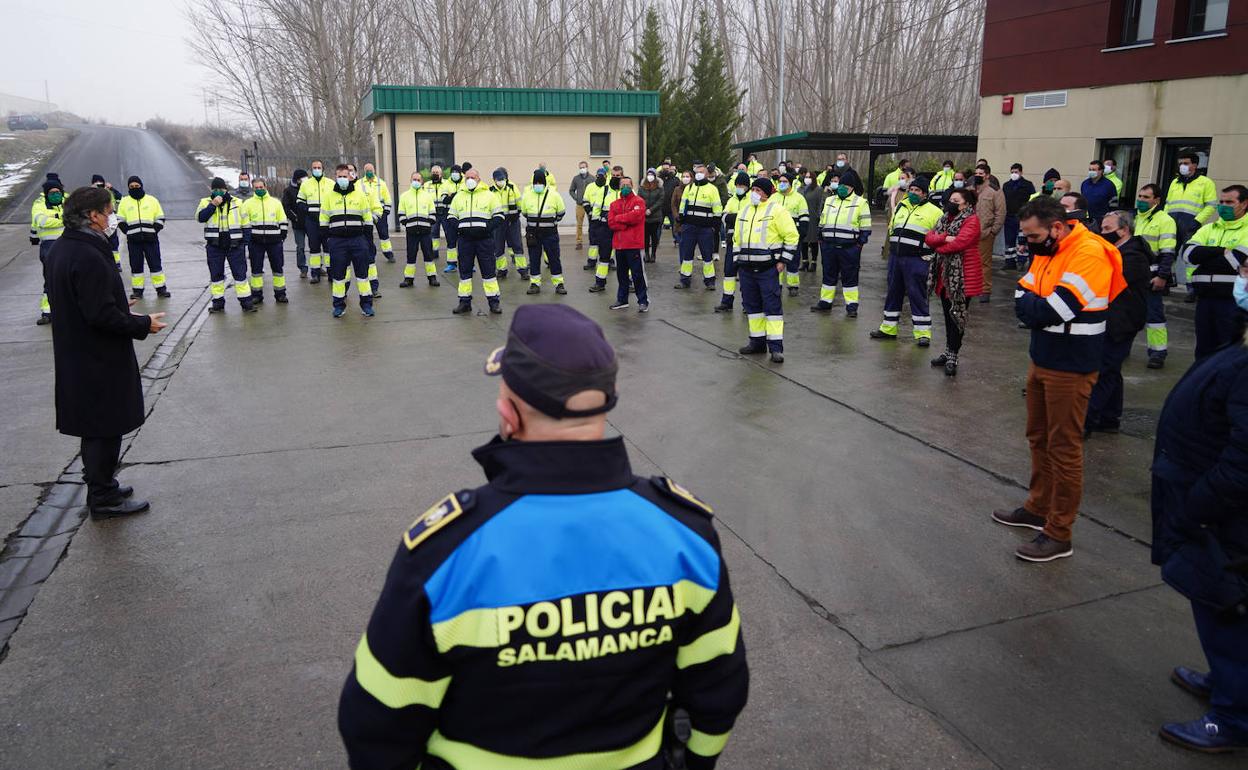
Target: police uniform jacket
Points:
(541, 621)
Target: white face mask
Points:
(699, 176)
(1015, 177)
(740, 191)
(1091, 174)
(454, 176)
(948, 168)
(649, 177)
(959, 184)
(583, 171)
(1109, 169)
(685, 180)
(112, 225)
(756, 198)
(471, 184)
(1185, 169)
(840, 164)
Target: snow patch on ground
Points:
(216, 166)
(13, 175)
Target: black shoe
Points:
(821, 307)
(620, 306)
(44, 319)
(876, 334)
(534, 289)
(710, 286)
(389, 257)
(162, 292)
(1156, 362)
(124, 492)
(407, 283)
(597, 288)
(316, 277)
(280, 298)
(136, 294)
(215, 308)
(750, 350)
(502, 275)
(303, 272)
(1019, 517)
(433, 280)
(257, 297)
(793, 291)
(588, 266)
(496, 308)
(561, 289)
(951, 368)
(681, 285)
(250, 307)
(649, 259)
(462, 307)
(722, 308)
(777, 357)
(940, 360)
(376, 293)
(924, 342)
(122, 507)
(524, 274)
(852, 310)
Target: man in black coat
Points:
(1126, 318)
(290, 198)
(99, 396)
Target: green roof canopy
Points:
(447, 100)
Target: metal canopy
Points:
(876, 143)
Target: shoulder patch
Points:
(444, 512)
(679, 493)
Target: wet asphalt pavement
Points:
(887, 621)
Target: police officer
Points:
(222, 218)
(474, 214)
(542, 209)
(345, 217)
(765, 237)
(264, 229)
(700, 211)
(1159, 231)
(844, 228)
(507, 241)
(141, 218)
(312, 191)
(738, 198)
(114, 241)
(46, 226)
(1216, 253)
(908, 259)
(561, 613)
(376, 187)
(417, 218)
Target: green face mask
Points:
(626, 191)
(369, 174)
(55, 198)
(261, 193)
(842, 192)
(217, 194)
(1142, 207)
(1048, 187)
(913, 198)
(1227, 213)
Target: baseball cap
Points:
(552, 353)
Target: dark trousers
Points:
(274, 253)
(1105, 403)
(1010, 228)
(907, 278)
(383, 233)
(1217, 323)
(953, 334)
(600, 235)
(45, 247)
(840, 263)
(482, 253)
(1158, 334)
(809, 252)
(301, 254)
(1224, 641)
(548, 242)
(703, 240)
(760, 298)
(99, 469)
(218, 258)
(451, 230)
(653, 231)
(507, 235)
(350, 250)
(316, 245)
(629, 267)
(419, 244)
(144, 252)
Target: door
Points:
(1168, 158)
(1126, 154)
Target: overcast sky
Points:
(122, 60)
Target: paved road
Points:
(117, 153)
(887, 622)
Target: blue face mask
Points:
(1241, 292)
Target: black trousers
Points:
(952, 333)
(653, 230)
(99, 468)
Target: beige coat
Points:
(991, 210)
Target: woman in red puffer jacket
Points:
(956, 274)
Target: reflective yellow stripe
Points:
(705, 744)
(466, 755)
(711, 645)
(395, 691)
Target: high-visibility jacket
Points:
(347, 213)
(442, 190)
(542, 211)
(509, 197)
(1117, 180)
(753, 167)
(765, 233)
(140, 219)
(379, 191)
(797, 207)
(842, 221)
(598, 198)
(942, 181)
(417, 209)
(1217, 250)
(45, 220)
(909, 227)
(1158, 230)
(731, 208)
(264, 219)
(475, 212)
(893, 179)
(221, 222)
(311, 192)
(1196, 197)
(700, 205)
(551, 184)
(1065, 298)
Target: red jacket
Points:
(967, 242)
(627, 220)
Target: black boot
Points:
(464, 306)
(496, 307)
(723, 307)
(407, 283)
(561, 289)
(524, 274)
(534, 289)
(433, 280)
(162, 292)
(752, 349)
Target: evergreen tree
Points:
(708, 110)
(649, 73)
